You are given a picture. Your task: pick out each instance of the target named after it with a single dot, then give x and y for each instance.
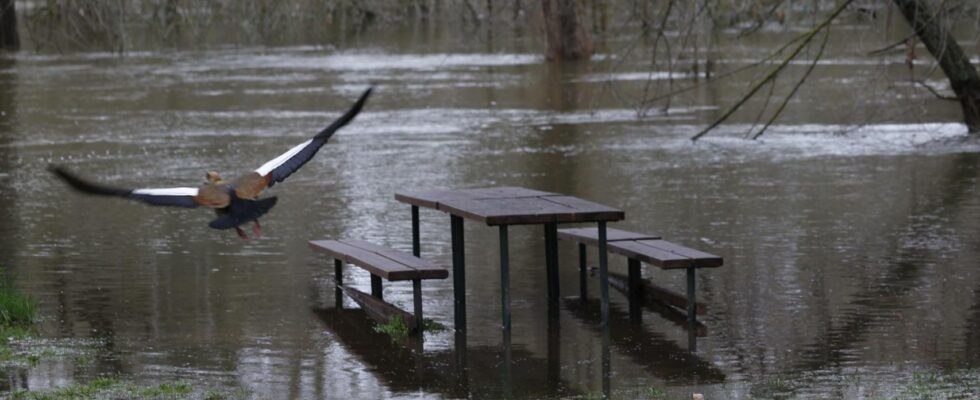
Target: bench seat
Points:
(650, 249)
(383, 263)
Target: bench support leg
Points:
(505, 282)
(551, 264)
(416, 245)
(338, 278)
(583, 273)
(691, 299)
(459, 273)
(635, 286)
(603, 275)
(376, 287)
(417, 302)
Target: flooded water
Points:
(850, 230)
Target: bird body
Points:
(237, 202)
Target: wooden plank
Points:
(586, 207)
(372, 262)
(425, 268)
(698, 257)
(590, 235)
(651, 255)
(504, 192)
(428, 198)
(524, 210)
(378, 309)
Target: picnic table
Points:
(502, 207)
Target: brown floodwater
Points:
(850, 231)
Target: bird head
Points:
(213, 178)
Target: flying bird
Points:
(236, 202)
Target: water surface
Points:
(849, 230)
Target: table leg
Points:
(459, 273)
(551, 263)
(583, 273)
(692, 315)
(691, 300)
(416, 246)
(505, 282)
(603, 274)
(338, 277)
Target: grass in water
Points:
(394, 328)
(16, 308)
(112, 388)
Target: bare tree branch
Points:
(805, 39)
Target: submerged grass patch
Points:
(16, 308)
(394, 328)
(113, 388)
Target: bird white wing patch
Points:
(178, 191)
(266, 168)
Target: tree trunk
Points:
(956, 65)
(9, 39)
(567, 38)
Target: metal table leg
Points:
(416, 246)
(603, 274)
(459, 273)
(505, 282)
(583, 273)
(551, 263)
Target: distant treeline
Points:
(124, 25)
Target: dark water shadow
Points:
(403, 368)
(881, 301)
(653, 351)
(883, 296)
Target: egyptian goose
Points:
(235, 202)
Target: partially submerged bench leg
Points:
(376, 286)
(582, 271)
(691, 300)
(635, 287)
(417, 301)
(338, 278)
(505, 282)
(459, 273)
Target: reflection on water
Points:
(850, 248)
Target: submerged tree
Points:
(963, 78)
(565, 31)
(927, 26)
(9, 39)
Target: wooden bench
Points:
(381, 262)
(653, 250)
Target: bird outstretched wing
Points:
(188, 197)
(278, 169)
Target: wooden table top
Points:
(511, 205)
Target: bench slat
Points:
(650, 249)
(426, 269)
(700, 258)
(591, 235)
(374, 263)
(650, 255)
